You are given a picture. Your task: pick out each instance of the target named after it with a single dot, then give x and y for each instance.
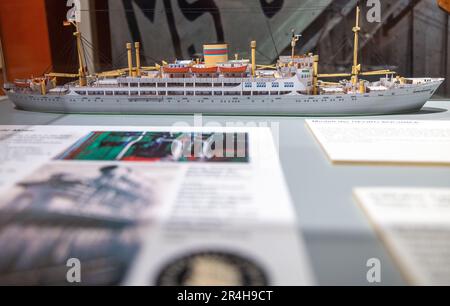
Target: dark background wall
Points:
(412, 39)
(24, 36)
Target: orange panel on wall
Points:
(445, 5)
(25, 38)
(1, 82)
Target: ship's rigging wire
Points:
(335, 10)
(108, 61)
(88, 61)
(378, 58)
(65, 52)
(262, 54)
(148, 57)
(346, 42)
(255, 9)
(271, 36)
(200, 9)
(143, 54)
(120, 57)
(101, 55)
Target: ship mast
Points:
(356, 68)
(82, 71)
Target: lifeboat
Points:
(235, 69)
(22, 83)
(38, 80)
(203, 69)
(168, 69)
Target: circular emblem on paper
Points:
(212, 269)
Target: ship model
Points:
(217, 85)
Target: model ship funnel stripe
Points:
(218, 54)
(215, 54)
(216, 51)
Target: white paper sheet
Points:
(383, 141)
(414, 224)
(236, 207)
(24, 148)
(274, 254)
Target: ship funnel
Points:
(214, 54)
(130, 60)
(137, 46)
(253, 46)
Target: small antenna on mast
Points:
(295, 38)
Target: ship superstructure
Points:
(217, 85)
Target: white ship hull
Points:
(398, 100)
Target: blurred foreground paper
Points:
(244, 255)
(384, 141)
(127, 199)
(414, 224)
